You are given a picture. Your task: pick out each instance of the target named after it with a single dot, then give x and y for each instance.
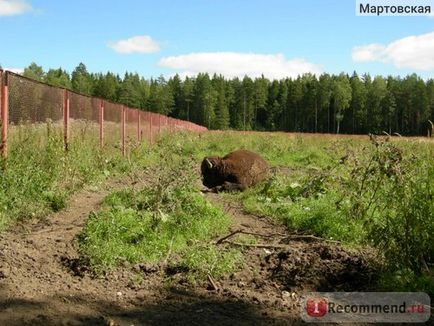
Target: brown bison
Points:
(236, 171)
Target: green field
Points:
(361, 192)
(358, 191)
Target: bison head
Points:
(211, 171)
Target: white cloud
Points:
(366, 53)
(14, 7)
(136, 44)
(414, 52)
(235, 64)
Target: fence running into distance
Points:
(26, 101)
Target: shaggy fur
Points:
(236, 171)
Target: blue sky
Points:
(233, 37)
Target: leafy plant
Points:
(392, 192)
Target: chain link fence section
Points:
(131, 128)
(83, 118)
(76, 117)
(31, 102)
(145, 127)
(34, 111)
(112, 124)
(155, 125)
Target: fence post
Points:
(138, 126)
(150, 127)
(66, 118)
(101, 124)
(4, 105)
(123, 129)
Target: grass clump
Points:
(128, 230)
(305, 203)
(168, 221)
(203, 261)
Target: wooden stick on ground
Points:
(212, 282)
(259, 245)
(228, 236)
(308, 236)
(249, 233)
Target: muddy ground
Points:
(43, 281)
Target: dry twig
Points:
(212, 282)
(259, 245)
(308, 236)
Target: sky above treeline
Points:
(276, 38)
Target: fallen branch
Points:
(263, 235)
(259, 245)
(285, 237)
(308, 236)
(227, 236)
(249, 233)
(212, 282)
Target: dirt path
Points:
(43, 281)
(36, 285)
(280, 266)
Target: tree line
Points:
(356, 104)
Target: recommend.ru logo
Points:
(370, 307)
(316, 307)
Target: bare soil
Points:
(44, 281)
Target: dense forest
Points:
(355, 104)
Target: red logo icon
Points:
(316, 307)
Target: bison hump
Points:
(243, 155)
(245, 164)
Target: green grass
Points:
(381, 195)
(313, 215)
(126, 230)
(278, 149)
(146, 225)
(209, 260)
(168, 221)
(39, 177)
(362, 193)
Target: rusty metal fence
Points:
(24, 101)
